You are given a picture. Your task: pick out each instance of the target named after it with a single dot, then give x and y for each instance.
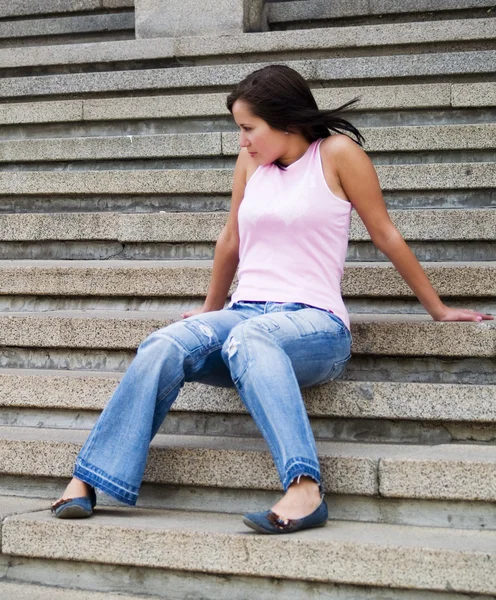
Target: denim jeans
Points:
(267, 350)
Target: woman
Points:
(286, 326)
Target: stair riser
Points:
(378, 19)
(358, 306)
(221, 162)
(313, 13)
(183, 585)
(337, 430)
(422, 513)
(471, 371)
(36, 203)
(390, 70)
(360, 280)
(75, 250)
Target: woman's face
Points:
(264, 143)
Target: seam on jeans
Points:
(93, 434)
(111, 491)
(299, 468)
(301, 460)
(297, 319)
(330, 373)
(168, 390)
(262, 429)
(84, 464)
(103, 485)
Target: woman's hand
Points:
(461, 314)
(190, 313)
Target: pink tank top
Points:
(293, 236)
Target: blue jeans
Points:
(267, 350)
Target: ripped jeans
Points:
(267, 350)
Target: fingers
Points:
(477, 316)
(466, 314)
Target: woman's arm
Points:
(226, 255)
(358, 179)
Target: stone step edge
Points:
(10, 589)
(441, 95)
(324, 39)
(314, 9)
(79, 390)
(383, 335)
(432, 176)
(191, 278)
(408, 139)
(343, 552)
(442, 472)
(313, 70)
(47, 7)
(50, 27)
(442, 224)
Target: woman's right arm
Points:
(226, 255)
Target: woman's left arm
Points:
(360, 183)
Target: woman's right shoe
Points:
(75, 508)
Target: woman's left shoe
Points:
(75, 508)
(269, 522)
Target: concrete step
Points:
(13, 590)
(413, 96)
(378, 140)
(332, 71)
(343, 552)
(382, 335)
(219, 181)
(440, 472)
(50, 29)
(90, 390)
(413, 224)
(191, 278)
(21, 8)
(299, 12)
(324, 42)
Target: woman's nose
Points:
(243, 142)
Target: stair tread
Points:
(373, 451)
(344, 551)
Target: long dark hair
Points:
(280, 96)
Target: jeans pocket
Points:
(266, 323)
(304, 325)
(337, 370)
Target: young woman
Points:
(286, 327)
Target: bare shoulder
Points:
(339, 148)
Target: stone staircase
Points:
(116, 163)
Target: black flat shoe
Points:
(75, 508)
(270, 522)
